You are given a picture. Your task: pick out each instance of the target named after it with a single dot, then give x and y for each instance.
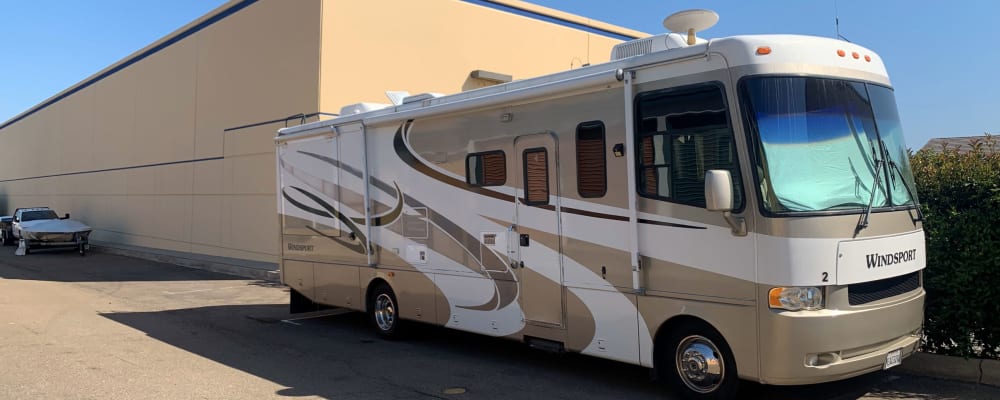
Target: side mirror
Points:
(719, 197)
(718, 190)
(67, 216)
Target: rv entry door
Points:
(537, 241)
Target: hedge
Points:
(959, 193)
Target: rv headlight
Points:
(795, 298)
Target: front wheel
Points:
(384, 312)
(697, 363)
(83, 249)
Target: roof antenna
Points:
(836, 18)
(690, 21)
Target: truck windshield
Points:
(35, 215)
(818, 142)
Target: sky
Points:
(943, 57)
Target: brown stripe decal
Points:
(330, 212)
(399, 144)
(592, 214)
(670, 224)
(613, 217)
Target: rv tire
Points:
(695, 361)
(383, 310)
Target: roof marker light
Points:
(868, 58)
(855, 55)
(841, 53)
(763, 50)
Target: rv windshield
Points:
(818, 143)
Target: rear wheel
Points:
(697, 363)
(384, 312)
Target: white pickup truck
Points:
(42, 227)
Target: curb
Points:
(223, 267)
(972, 370)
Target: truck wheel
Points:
(83, 250)
(384, 312)
(697, 363)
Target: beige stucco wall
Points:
(148, 155)
(257, 64)
(424, 46)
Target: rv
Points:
(717, 210)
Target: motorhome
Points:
(714, 209)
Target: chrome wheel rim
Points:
(385, 312)
(699, 364)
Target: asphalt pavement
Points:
(112, 327)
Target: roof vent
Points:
(652, 44)
(360, 108)
(420, 97)
(632, 48)
(680, 24)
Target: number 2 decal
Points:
(826, 277)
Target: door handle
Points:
(524, 240)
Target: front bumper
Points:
(846, 342)
(55, 239)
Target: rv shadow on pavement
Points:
(335, 354)
(61, 265)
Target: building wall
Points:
(175, 151)
(145, 151)
(373, 46)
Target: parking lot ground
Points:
(111, 327)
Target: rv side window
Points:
(536, 177)
(486, 169)
(682, 133)
(591, 164)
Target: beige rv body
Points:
(493, 260)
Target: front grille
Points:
(864, 293)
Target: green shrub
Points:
(960, 196)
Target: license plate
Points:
(893, 359)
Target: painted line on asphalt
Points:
(203, 290)
(329, 314)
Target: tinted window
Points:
(591, 165)
(536, 177)
(37, 215)
(682, 133)
(486, 169)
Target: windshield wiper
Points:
(906, 185)
(889, 165)
(863, 221)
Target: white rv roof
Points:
(787, 53)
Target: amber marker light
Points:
(774, 298)
(868, 58)
(855, 55)
(763, 50)
(841, 53)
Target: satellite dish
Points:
(691, 21)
